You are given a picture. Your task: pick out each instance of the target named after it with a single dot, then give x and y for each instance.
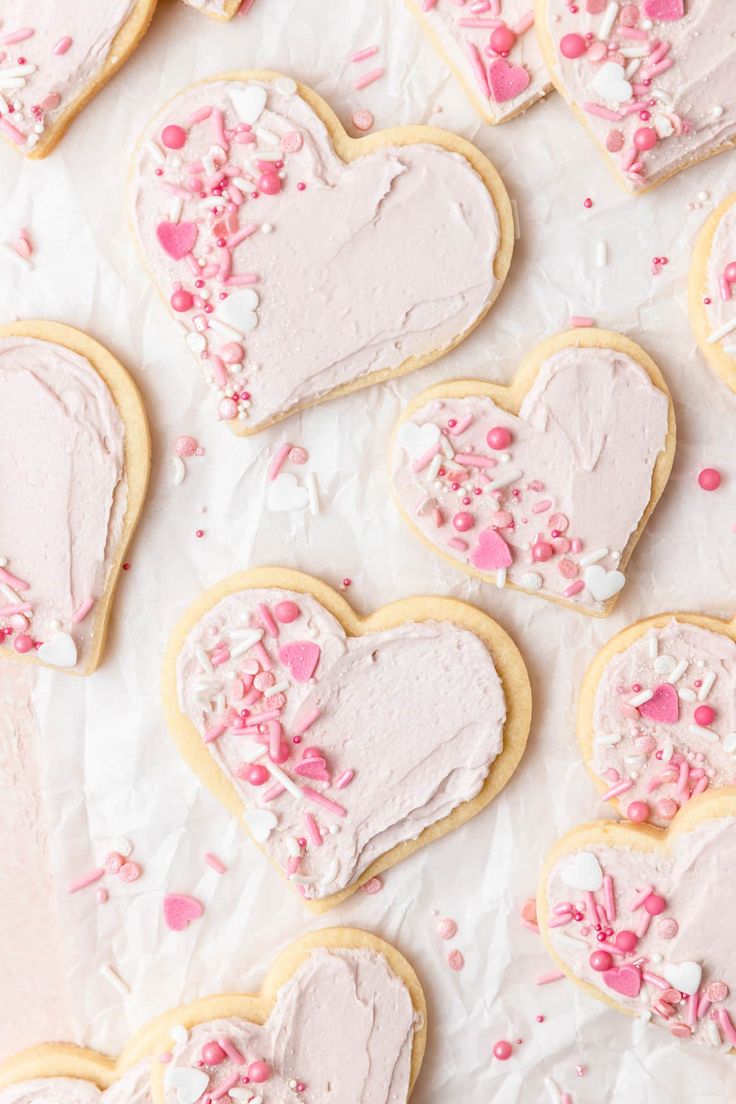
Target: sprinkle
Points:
(320, 799)
(504, 480)
(593, 557)
(82, 610)
(115, 979)
(501, 578)
(458, 544)
(480, 70)
(726, 1025)
(581, 321)
(707, 686)
(62, 46)
(546, 979)
(707, 733)
(247, 642)
(215, 732)
(574, 588)
(86, 880)
(606, 24)
(277, 688)
(313, 830)
(609, 897)
(345, 779)
(640, 699)
(286, 782)
(677, 672)
(224, 1087)
(368, 78)
(726, 328)
(363, 55)
(654, 979)
(17, 36)
(619, 788)
(602, 112)
(267, 620)
(217, 864)
(302, 726)
(232, 1051)
(641, 898)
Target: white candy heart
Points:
(603, 584)
(729, 742)
(248, 102)
(239, 310)
(196, 342)
(59, 651)
(287, 493)
(179, 1034)
(610, 83)
(582, 871)
(260, 822)
(418, 440)
(189, 1084)
(685, 976)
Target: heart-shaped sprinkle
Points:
(663, 706)
(491, 553)
(177, 238)
(239, 310)
(416, 440)
(249, 102)
(603, 584)
(315, 768)
(301, 657)
(179, 912)
(685, 976)
(285, 492)
(507, 81)
(59, 651)
(625, 980)
(188, 1083)
(582, 871)
(261, 823)
(610, 83)
(667, 11)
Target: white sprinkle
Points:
(700, 730)
(12, 82)
(313, 490)
(217, 324)
(667, 751)
(722, 331)
(608, 739)
(504, 480)
(517, 226)
(293, 847)
(155, 152)
(686, 694)
(175, 208)
(501, 578)
(285, 781)
(714, 1035)
(434, 467)
(247, 642)
(633, 52)
(639, 699)
(677, 672)
(251, 751)
(593, 557)
(609, 18)
(330, 874)
(179, 1034)
(277, 688)
(241, 182)
(707, 686)
(180, 471)
(601, 254)
(653, 646)
(115, 979)
(204, 660)
(446, 447)
(532, 580)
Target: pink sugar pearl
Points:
(259, 1071)
(645, 138)
(542, 551)
(502, 1050)
(257, 774)
(286, 612)
(213, 1054)
(499, 437)
(704, 715)
(655, 904)
(730, 272)
(232, 352)
(503, 39)
(23, 643)
(638, 811)
(270, 183)
(709, 479)
(626, 940)
(455, 960)
(463, 521)
(600, 961)
(572, 46)
(173, 137)
(182, 300)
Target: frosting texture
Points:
(340, 747)
(547, 499)
(134, 1087)
(64, 496)
(721, 279)
(49, 55)
(292, 272)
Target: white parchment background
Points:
(108, 765)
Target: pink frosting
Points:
(342, 1027)
(134, 1087)
(671, 60)
(464, 33)
(64, 53)
(721, 310)
(355, 267)
(688, 945)
(404, 727)
(668, 755)
(576, 475)
(64, 493)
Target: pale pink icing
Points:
(695, 879)
(55, 79)
(721, 310)
(64, 488)
(343, 1026)
(691, 103)
(371, 263)
(134, 1087)
(445, 20)
(582, 453)
(639, 740)
(416, 713)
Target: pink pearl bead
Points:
(286, 612)
(730, 272)
(499, 437)
(257, 774)
(600, 961)
(503, 39)
(182, 300)
(173, 137)
(542, 551)
(232, 352)
(572, 46)
(270, 183)
(638, 811)
(213, 1054)
(655, 904)
(645, 138)
(704, 715)
(23, 643)
(185, 446)
(502, 1050)
(626, 940)
(463, 521)
(709, 479)
(259, 1071)
(227, 409)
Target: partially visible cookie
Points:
(711, 292)
(220, 9)
(74, 468)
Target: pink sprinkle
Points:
(620, 788)
(475, 461)
(87, 880)
(455, 960)
(372, 886)
(17, 36)
(523, 25)
(368, 78)
(214, 733)
(242, 279)
(609, 897)
(313, 830)
(273, 792)
(574, 588)
(266, 619)
(307, 722)
(224, 1088)
(462, 425)
(102, 896)
(263, 656)
(218, 125)
(277, 464)
(12, 132)
(655, 980)
(241, 234)
(601, 112)
(559, 921)
(641, 898)
(428, 5)
(217, 864)
(479, 69)
(82, 610)
(345, 779)
(581, 320)
(320, 799)
(546, 979)
(362, 55)
(13, 580)
(293, 865)
(14, 608)
(459, 545)
(62, 45)
(541, 507)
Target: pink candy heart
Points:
(507, 81)
(177, 238)
(663, 707)
(301, 657)
(665, 10)
(625, 980)
(315, 768)
(180, 910)
(491, 553)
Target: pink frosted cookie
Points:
(302, 1039)
(300, 263)
(343, 743)
(651, 81)
(491, 47)
(545, 485)
(54, 57)
(657, 719)
(712, 290)
(74, 467)
(641, 918)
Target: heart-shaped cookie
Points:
(711, 293)
(492, 51)
(547, 483)
(657, 714)
(272, 681)
(652, 83)
(305, 1032)
(651, 932)
(219, 9)
(54, 58)
(321, 263)
(74, 467)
